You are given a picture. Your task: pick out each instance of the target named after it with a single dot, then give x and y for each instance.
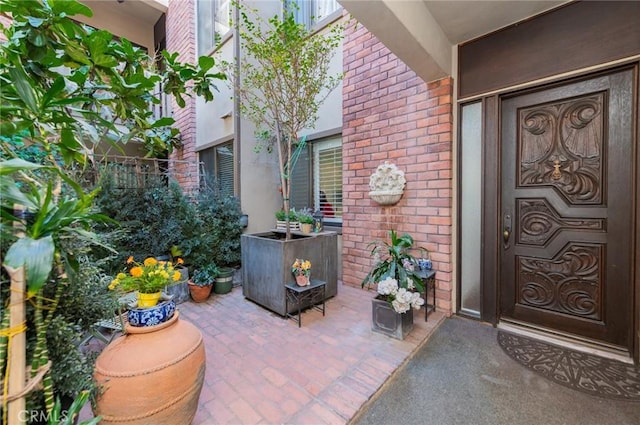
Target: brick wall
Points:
(391, 114)
(181, 37)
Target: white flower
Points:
(410, 284)
(388, 286)
(402, 301)
(416, 300)
(400, 307)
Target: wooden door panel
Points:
(566, 204)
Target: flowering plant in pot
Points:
(398, 285)
(301, 269)
(202, 281)
(305, 217)
(147, 278)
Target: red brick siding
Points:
(391, 114)
(181, 38)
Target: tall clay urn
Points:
(151, 375)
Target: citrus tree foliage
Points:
(284, 79)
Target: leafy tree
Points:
(284, 80)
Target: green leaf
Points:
(35, 22)
(205, 63)
(69, 7)
(24, 87)
(76, 53)
(56, 88)
(163, 122)
(36, 255)
(17, 164)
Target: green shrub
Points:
(152, 220)
(219, 235)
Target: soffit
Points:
(465, 20)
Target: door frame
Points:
(492, 178)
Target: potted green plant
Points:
(202, 281)
(398, 285)
(305, 217)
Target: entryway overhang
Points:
(423, 33)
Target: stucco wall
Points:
(120, 22)
(391, 114)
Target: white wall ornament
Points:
(387, 184)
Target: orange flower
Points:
(130, 259)
(180, 261)
(136, 271)
(150, 262)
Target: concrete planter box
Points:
(386, 321)
(267, 259)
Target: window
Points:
(470, 206)
(327, 178)
(316, 180)
(213, 18)
(309, 12)
(218, 162)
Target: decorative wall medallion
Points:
(561, 145)
(387, 184)
(571, 283)
(540, 222)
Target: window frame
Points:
(213, 151)
(215, 34)
(317, 147)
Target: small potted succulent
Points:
(202, 281)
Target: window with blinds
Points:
(218, 163)
(224, 168)
(327, 174)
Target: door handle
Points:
(506, 232)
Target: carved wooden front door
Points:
(567, 167)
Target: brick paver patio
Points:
(262, 369)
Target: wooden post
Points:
(17, 349)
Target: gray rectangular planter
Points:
(267, 260)
(387, 321)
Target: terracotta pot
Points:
(151, 375)
(302, 280)
(199, 293)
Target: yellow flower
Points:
(130, 259)
(164, 274)
(136, 271)
(113, 284)
(121, 276)
(150, 262)
(176, 276)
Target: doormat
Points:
(581, 371)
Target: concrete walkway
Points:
(262, 369)
(462, 376)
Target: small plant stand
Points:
(429, 280)
(312, 295)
